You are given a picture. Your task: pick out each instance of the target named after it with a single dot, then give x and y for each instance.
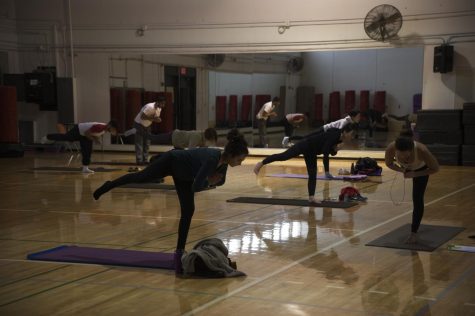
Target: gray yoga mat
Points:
(296, 202)
(74, 169)
(430, 237)
(114, 163)
(159, 186)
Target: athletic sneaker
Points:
(44, 140)
(344, 172)
(85, 169)
(285, 142)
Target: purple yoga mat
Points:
(356, 177)
(116, 257)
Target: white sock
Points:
(85, 169)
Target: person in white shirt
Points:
(86, 134)
(291, 121)
(353, 117)
(149, 113)
(266, 111)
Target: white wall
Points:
(92, 88)
(238, 26)
(398, 71)
(450, 90)
(36, 33)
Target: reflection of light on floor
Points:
(293, 309)
(286, 231)
(257, 240)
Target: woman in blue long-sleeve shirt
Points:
(192, 170)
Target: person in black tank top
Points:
(192, 170)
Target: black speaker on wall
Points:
(443, 58)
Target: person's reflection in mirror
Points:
(290, 122)
(353, 118)
(264, 113)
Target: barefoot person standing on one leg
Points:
(193, 170)
(415, 161)
(86, 134)
(325, 143)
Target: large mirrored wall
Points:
(226, 91)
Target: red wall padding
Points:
(350, 101)
(261, 99)
(364, 100)
(9, 116)
(232, 113)
(380, 101)
(318, 107)
(167, 115)
(246, 108)
(220, 109)
(149, 97)
(334, 106)
(132, 106)
(116, 109)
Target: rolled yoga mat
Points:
(430, 237)
(116, 257)
(296, 202)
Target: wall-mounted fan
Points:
(383, 22)
(295, 64)
(215, 60)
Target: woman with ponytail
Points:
(193, 170)
(415, 162)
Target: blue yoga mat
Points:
(356, 177)
(116, 257)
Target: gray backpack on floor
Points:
(209, 258)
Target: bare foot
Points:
(312, 200)
(258, 167)
(412, 239)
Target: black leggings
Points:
(72, 136)
(419, 185)
(310, 161)
(288, 127)
(160, 168)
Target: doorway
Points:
(182, 83)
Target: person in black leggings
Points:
(87, 134)
(193, 170)
(323, 143)
(417, 162)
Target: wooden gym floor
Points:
(298, 260)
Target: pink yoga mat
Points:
(357, 177)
